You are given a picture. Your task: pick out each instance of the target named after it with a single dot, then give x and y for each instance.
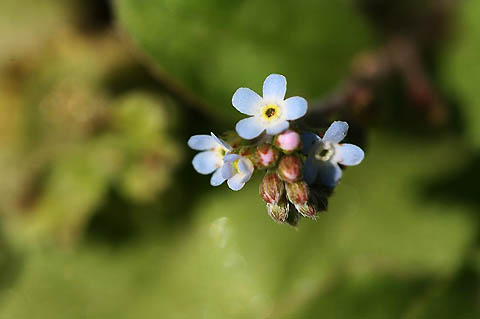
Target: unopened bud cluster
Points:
(283, 188)
(301, 168)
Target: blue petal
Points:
(221, 142)
(217, 178)
(246, 101)
(295, 107)
(245, 166)
(206, 162)
(236, 183)
(349, 154)
(336, 132)
(228, 170)
(310, 170)
(329, 174)
(277, 128)
(275, 87)
(201, 142)
(249, 128)
(231, 158)
(246, 178)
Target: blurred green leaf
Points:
(461, 67)
(213, 47)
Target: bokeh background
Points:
(102, 215)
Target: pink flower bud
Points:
(288, 141)
(271, 188)
(279, 211)
(266, 155)
(290, 168)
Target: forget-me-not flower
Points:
(237, 170)
(324, 155)
(270, 112)
(211, 159)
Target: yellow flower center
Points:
(222, 152)
(270, 112)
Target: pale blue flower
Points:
(211, 159)
(237, 170)
(270, 112)
(324, 155)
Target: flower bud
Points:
(279, 211)
(271, 188)
(290, 168)
(266, 155)
(299, 194)
(288, 141)
(309, 209)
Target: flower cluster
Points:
(301, 167)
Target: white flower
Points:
(211, 159)
(270, 112)
(324, 155)
(238, 170)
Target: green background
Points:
(103, 216)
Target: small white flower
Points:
(211, 159)
(237, 170)
(270, 112)
(324, 155)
